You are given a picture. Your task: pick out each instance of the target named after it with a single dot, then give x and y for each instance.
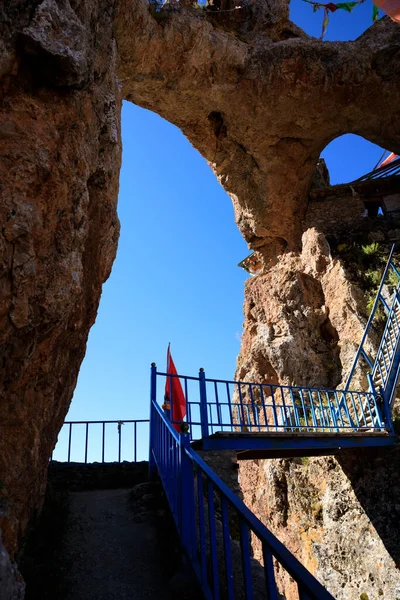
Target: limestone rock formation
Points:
(254, 94)
(260, 99)
(303, 322)
(59, 164)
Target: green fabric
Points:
(375, 13)
(347, 5)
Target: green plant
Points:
(380, 316)
(305, 460)
(373, 276)
(392, 280)
(370, 249)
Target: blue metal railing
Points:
(208, 515)
(84, 450)
(388, 348)
(238, 406)
(390, 311)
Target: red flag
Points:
(387, 160)
(178, 400)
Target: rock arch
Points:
(256, 96)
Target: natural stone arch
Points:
(258, 98)
(260, 105)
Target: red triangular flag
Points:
(174, 394)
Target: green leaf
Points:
(375, 13)
(346, 5)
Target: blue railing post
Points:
(203, 404)
(188, 508)
(384, 412)
(153, 400)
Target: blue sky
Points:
(176, 278)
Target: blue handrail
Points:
(221, 565)
(245, 406)
(379, 298)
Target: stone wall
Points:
(77, 477)
(331, 214)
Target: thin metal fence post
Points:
(187, 502)
(379, 415)
(69, 442)
(86, 442)
(120, 423)
(152, 425)
(135, 442)
(203, 404)
(103, 446)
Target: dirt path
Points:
(113, 556)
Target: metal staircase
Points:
(216, 528)
(266, 421)
(382, 373)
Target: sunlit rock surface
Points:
(340, 517)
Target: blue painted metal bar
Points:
(325, 423)
(243, 419)
(213, 539)
(196, 539)
(246, 565)
(296, 444)
(274, 408)
(295, 411)
(69, 442)
(355, 412)
(371, 316)
(217, 402)
(103, 444)
(263, 405)
(287, 413)
(202, 532)
(230, 588)
(367, 358)
(295, 569)
(228, 394)
(314, 418)
(86, 441)
(272, 592)
(385, 304)
(253, 404)
(187, 500)
(203, 403)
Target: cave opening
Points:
(175, 279)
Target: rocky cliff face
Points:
(255, 95)
(59, 163)
(303, 322)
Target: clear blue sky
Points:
(176, 278)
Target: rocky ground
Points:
(109, 544)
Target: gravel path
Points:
(113, 556)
